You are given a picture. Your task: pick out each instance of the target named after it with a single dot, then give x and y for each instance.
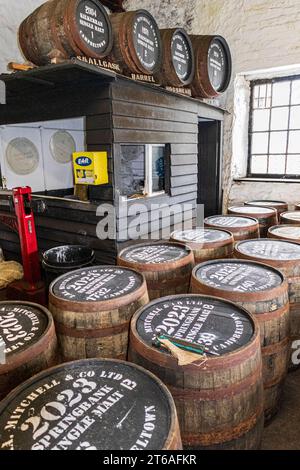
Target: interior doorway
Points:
(210, 166)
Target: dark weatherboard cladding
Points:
(87, 405)
(270, 249)
(146, 40)
(97, 284)
(154, 254)
(238, 276)
(220, 325)
(93, 25)
(230, 221)
(20, 326)
(201, 236)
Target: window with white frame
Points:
(274, 129)
(142, 170)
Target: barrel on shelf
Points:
(262, 291)
(92, 308)
(137, 43)
(266, 216)
(28, 343)
(166, 266)
(242, 228)
(280, 206)
(219, 398)
(285, 256)
(63, 259)
(66, 28)
(90, 405)
(285, 232)
(290, 218)
(206, 243)
(178, 66)
(213, 66)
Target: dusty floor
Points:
(283, 433)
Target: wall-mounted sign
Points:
(90, 168)
(22, 156)
(62, 146)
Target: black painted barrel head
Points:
(183, 56)
(269, 249)
(230, 221)
(201, 235)
(238, 276)
(156, 253)
(96, 284)
(220, 325)
(147, 41)
(21, 326)
(88, 405)
(93, 27)
(219, 64)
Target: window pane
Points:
(278, 142)
(294, 142)
(260, 143)
(259, 164)
(276, 165)
(295, 118)
(279, 120)
(293, 165)
(296, 92)
(158, 169)
(281, 93)
(261, 118)
(132, 169)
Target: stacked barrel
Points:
(62, 29)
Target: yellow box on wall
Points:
(90, 168)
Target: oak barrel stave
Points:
(96, 326)
(25, 355)
(263, 292)
(89, 399)
(128, 50)
(167, 269)
(219, 404)
(266, 216)
(54, 31)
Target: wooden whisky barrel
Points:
(28, 343)
(66, 28)
(266, 216)
(206, 243)
(178, 67)
(166, 266)
(242, 228)
(280, 206)
(90, 405)
(137, 43)
(285, 256)
(285, 232)
(213, 66)
(262, 291)
(290, 218)
(219, 399)
(297, 207)
(92, 308)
